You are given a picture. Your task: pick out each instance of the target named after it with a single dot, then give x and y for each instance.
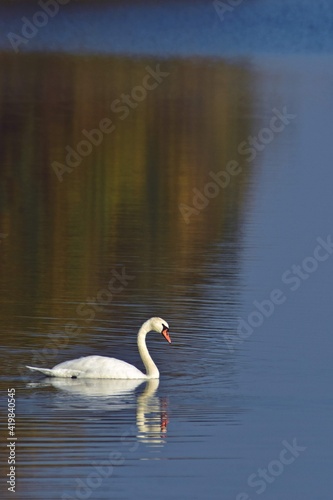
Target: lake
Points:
(197, 189)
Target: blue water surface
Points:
(197, 28)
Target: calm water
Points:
(172, 27)
(240, 411)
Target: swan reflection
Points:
(151, 415)
(117, 395)
(96, 388)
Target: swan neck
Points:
(151, 368)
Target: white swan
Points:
(104, 367)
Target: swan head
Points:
(161, 326)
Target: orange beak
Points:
(165, 333)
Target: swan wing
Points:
(98, 367)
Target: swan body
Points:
(111, 368)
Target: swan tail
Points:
(60, 372)
(45, 371)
